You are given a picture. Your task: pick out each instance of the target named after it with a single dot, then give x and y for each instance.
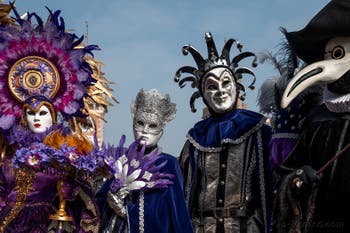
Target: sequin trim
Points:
(226, 140)
(285, 135)
(24, 184)
(142, 213)
(262, 177)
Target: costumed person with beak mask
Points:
(156, 209)
(314, 193)
(225, 159)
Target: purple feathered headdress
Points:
(38, 58)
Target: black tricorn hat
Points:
(332, 21)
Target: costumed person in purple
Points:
(314, 191)
(225, 159)
(44, 78)
(287, 124)
(155, 209)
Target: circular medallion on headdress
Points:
(33, 75)
(38, 58)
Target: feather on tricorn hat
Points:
(332, 21)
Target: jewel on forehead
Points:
(33, 100)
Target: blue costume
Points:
(151, 203)
(164, 209)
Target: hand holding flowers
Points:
(133, 170)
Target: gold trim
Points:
(3, 146)
(61, 214)
(36, 73)
(24, 184)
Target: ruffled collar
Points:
(336, 102)
(208, 135)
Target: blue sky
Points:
(141, 45)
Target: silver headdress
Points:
(153, 102)
(213, 61)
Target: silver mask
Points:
(151, 111)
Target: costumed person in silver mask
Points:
(154, 210)
(314, 191)
(225, 159)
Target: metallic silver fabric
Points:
(117, 203)
(232, 181)
(241, 188)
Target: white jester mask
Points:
(220, 90)
(216, 77)
(39, 121)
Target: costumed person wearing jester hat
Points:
(225, 160)
(157, 209)
(314, 191)
(44, 76)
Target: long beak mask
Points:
(335, 67)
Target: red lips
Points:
(37, 125)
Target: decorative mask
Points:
(42, 59)
(38, 114)
(220, 90)
(39, 121)
(148, 128)
(220, 68)
(151, 111)
(323, 44)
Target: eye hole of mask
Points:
(338, 52)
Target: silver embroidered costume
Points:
(225, 159)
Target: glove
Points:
(67, 189)
(303, 180)
(116, 201)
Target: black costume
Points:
(308, 202)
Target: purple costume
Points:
(28, 197)
(45, 71)
(32, 216)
